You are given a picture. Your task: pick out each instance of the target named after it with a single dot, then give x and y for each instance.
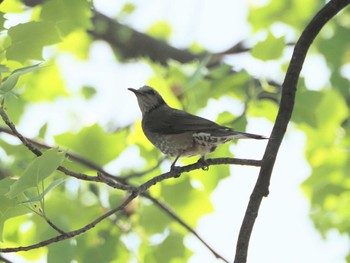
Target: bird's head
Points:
(147, 98)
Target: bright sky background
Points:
(283, 231)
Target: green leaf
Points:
(4, 69)
(153, 220)
(306, 103)
(269, 49)
(15, 106)
(296, 13)
(37, 88)
(128, 8)
(65, 249)
(5, 202)
(94, 143)
(11, 6)
(200, 203)
(8, 207)
(332, 110)
(48, 189)
(42, 131)
(38, 170)
(161, 30)
(88, 92)
(172, 247)
(28, 40)
(76, 43)
(10, 82)
(67, 15)
(2, 21)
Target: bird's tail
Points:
(245, 135)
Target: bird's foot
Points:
(176, 170)
(203, 163)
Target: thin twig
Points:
(54, 226)
(39, 211)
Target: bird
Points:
(178, 133)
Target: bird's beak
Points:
(134, 90)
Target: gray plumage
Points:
(178, 133)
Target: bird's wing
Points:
(167, 120)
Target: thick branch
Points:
(130, 43)
(261, 188)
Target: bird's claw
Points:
(176, 170)
(204, 164)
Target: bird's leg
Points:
(204, 163)
(173, 167)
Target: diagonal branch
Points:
(4, 260)
(115, 182)
(72, 233)
(261, 188)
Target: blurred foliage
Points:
(31, 190)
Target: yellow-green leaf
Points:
(28, 40)
(38, 170)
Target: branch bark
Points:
(261, 188)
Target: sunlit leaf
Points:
(11, 6)
(37, 87)
(94, 143)
(77, 43)
(269, 49)
(38, 170)
(29, 39)
(161, 30)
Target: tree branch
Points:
(261, 188)
(114, 181)
(130, 43)
(140, 190)
(71, 233)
